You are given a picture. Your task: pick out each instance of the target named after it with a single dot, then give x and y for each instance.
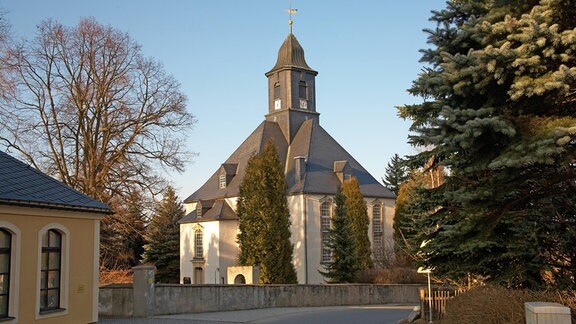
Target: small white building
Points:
(315, 166)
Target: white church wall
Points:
(298, 238)
(211, 252)
(228, 248)
(186, 246)
(210, 241)
(221, 250)
(314, 239)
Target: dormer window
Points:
(227, 171)
(342, 170)
(222, 181)
(198, 210)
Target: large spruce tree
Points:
(358, 213)
(344, 265)
(499, 113)
(396, 174)
(264, 219)
(162, 246)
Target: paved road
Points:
(381, 314)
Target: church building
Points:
(315, 166)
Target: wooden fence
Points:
(439, 299)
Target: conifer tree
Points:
(358, 213)
(123, 234)
(162, 246)
(499, 113)
(264, 219)
(344, 265)
(408, 218)
(396, 174)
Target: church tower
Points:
(315, 166)
(291, 89)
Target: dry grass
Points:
(109, 277)
(492, 304)
(393, 275)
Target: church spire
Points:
(291, 89)
(291, 55)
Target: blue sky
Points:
(366, 53)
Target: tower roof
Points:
(291, 55)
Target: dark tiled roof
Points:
(290, 55)
(189, 218)
(322, 151)
(219, 211)
(230, 168)
(339, 166)
(25, 186)
(311, 141)
(254, 144)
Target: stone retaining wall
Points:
(118, 301)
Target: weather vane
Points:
(291, 12)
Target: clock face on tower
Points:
(303, 104)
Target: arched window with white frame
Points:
(377, 235)
(50, 271)
(53, 269)
(9, 271)
(5, 272)
(325, 225)
(198, 244)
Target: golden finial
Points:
(291, 12)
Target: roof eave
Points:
(290, 67)
(36, 204)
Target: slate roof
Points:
(290, 55)
(312, 142)
(219, 211)
(254, 144)
(23, 185)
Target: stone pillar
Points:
(143, 289)
(547, 313)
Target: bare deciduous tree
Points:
(88, 108)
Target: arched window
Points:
(50, 271)
(198, 244)
(53, 270)
(9, 271)
(5, 266)
(325, 225)
(377, 231)
(277, 90)
(302, 93)
(277, 100)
